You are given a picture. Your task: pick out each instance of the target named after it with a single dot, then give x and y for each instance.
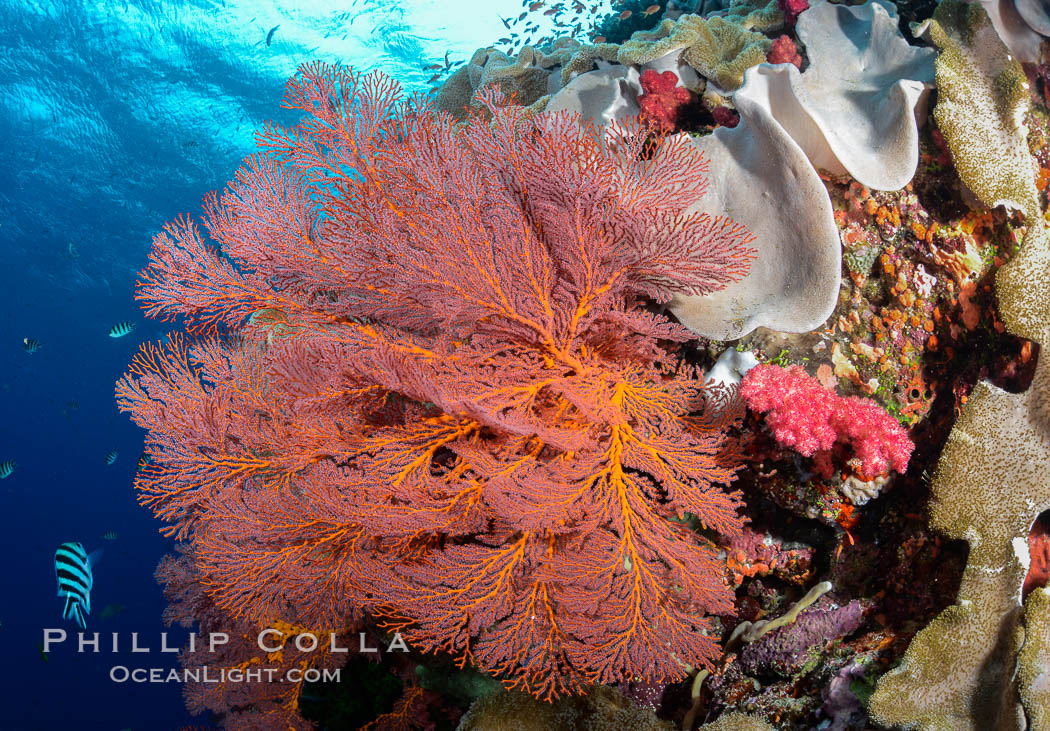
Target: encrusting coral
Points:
(737, 722)
(990, 484)
(601, 709)
(1033, 663)
(787, 649)
(982, 102)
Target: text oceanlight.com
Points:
(123, 674)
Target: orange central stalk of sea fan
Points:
(445, 400)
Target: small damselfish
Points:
(121, 329)
(6, 468)
(30, 345)
(73, 572)
(111, 456)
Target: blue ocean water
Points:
(114, 118)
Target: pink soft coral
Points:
(663, 99)
(809, 418)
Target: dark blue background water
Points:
(114, 118)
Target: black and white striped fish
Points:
(111, 456)
(30, 345)
(121, 329)
(73, 572)
(6, 468)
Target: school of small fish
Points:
(572, 19)
(73, 566)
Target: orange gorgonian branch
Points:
(447, 399)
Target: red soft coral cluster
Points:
(663, 102)
(792, 9)
(445, 401)
(725, 117)
(784, 51)
(809, 418)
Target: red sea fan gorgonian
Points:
(444, 400)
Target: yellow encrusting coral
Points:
(737, 722)
(989, 485)
(719, 49)
(1033, 665)
(984, 100)
(963, 671)
(981, 107)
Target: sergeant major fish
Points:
(73, 573)
(121, 329)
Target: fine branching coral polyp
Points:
(425, 383)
